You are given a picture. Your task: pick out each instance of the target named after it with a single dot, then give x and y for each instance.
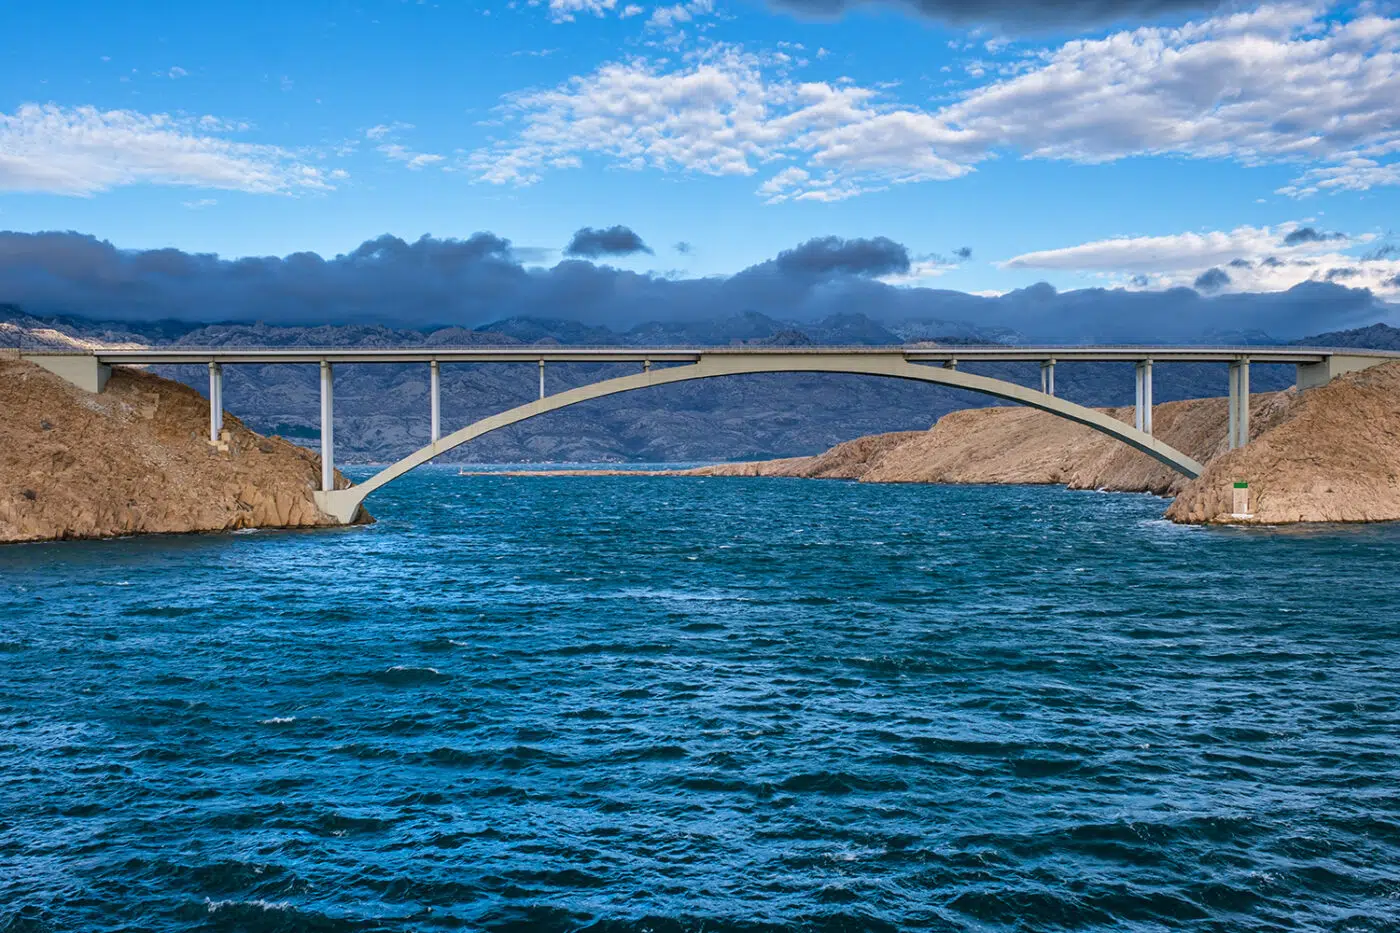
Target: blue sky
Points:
(1142, 152)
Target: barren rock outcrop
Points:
(136, 459)
(1018, 445)
(1331, 454)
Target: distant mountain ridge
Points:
(382, 411)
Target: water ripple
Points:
(698, 704)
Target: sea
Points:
(705, 704)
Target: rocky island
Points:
(137, 459)
(1328, 454)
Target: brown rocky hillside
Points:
(136, 458)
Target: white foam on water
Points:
(277, 721)
(216, 906)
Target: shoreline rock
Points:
(136, 459)
(1330, 454)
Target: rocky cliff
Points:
(1330, 454)
(135, 459)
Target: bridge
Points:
(664, 365)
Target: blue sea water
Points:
(627, 704)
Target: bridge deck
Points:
(913, 353)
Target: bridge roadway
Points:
(919, 362)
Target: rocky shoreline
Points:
(1330, 454)
(136, 459)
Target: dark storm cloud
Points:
(614, 241)
(1017, 14)
(834, 256)
(1211, 280)
(1310, 235)
(472, 282)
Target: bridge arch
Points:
(344, 503)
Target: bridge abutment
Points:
(81, 369)
(1312, 375)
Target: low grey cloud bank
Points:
(833, 255)
(475, 281)
(1032, 14)
(1310, 235)
(612, 241)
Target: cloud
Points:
(613, 241)
(471, 282)
(1260, 259)
(1310, 235)
(412, 160)
(1211, 280)
(833, 255)
(1205, 90)
(387, 134)
(1033, 14)
(669, 17)
(564, 11)
(963, 252)
(83, 151)
(684, 248)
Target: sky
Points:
(1142, 145)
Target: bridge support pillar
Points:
(1239, 403)
(435, 391)
(541, 378)
(1047, 377)
(1144, 397)
(216, 401)
(327, 427)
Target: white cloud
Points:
(82, 150)
(383, 130)
(1278, 84)
(668, 17)
(413, 160)
(1251, 259)
(564, 11)
(386, 135)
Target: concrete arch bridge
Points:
(932, 364)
